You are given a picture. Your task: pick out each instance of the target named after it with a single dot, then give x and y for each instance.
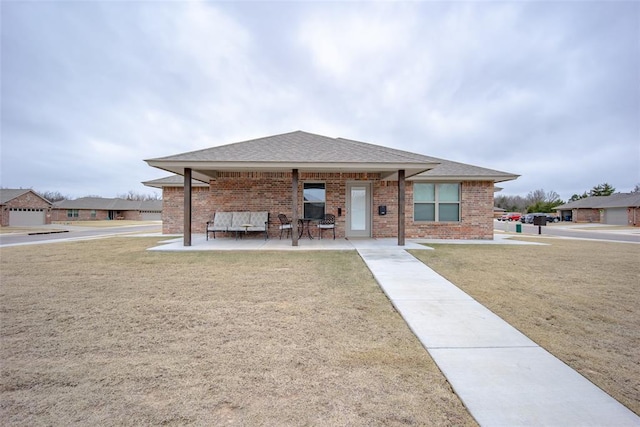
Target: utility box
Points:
(540, 220)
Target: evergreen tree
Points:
(578, 197)
(602, 190)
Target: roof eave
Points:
(444, 178)
(206, 170)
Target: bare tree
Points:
(536, 196)
(52, 196)
(536, 201)
(510, 203)
(132, 195)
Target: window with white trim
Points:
(436, 202)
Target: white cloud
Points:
(358, 42)
(485, 84)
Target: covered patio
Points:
(354, 171)
(366, 190)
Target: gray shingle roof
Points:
(301, 147)
(8, 194)
(448, 169)
(617, 200)
(100, 203)
(173, 181)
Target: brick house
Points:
(99, 208)
(616, 209)
(373, 191)
(19, 207)
(173, 200)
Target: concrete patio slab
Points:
(200, 243)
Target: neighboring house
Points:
(498, 212)
(23, 208)
(373, 191)
(617, 209)
(99, 208)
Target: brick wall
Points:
(83, 215)
(633, 215)
(385, 193)
(261, 191)
(60, 215)
(28, 200)
(250, 191)
(476, 216)
(586, 215)
(173, 209)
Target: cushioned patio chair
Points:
(285, 224)
(328, 222)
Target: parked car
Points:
(528, 218)
(552, 218)
(511, 216)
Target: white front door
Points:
(358, 221)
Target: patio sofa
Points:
(243, 222)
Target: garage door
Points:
(23, 216)
(151, 216)
(616, 216)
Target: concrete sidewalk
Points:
(503, 377)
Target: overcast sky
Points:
(547, 90)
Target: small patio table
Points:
(306, 222)
(246, 228)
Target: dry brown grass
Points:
(577, 299)
(103, 332)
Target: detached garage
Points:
(23, 208)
